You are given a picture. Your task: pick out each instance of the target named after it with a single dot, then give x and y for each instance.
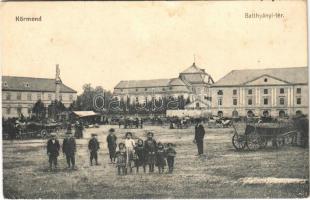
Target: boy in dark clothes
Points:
(111, 140)
(93, 146)
(121, 158)
(150, 150)
(53, 151)
(171, 153)
(140, 155)
(160, 158)
(69, 149)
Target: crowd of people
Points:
(129, 154)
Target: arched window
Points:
(265, 113)
(235, 114)
(250, 113)
(281, 113)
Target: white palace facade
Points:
(257, 90)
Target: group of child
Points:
(130, 155)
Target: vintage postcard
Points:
(154, 100)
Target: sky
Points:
(103, 43)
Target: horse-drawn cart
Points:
(255, 135)
(36, 129)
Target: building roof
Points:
(15, 83)
(293, 75)
(195, 75)
(143, 83)
(194, 78)
(176, 82)
(150, 83)
(193, 69)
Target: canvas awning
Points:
(85, 113)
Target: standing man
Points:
(302, 125)
(199, 136)
(53, 151)
(111, 140)
(141, 123)
(78, 129)
(69, 149)
(150, 150)
(93, 146)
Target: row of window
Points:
(29, 96)
(147, 89)
(18, 110)
(266, 91)
(266, 101)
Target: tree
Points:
(56, 107)
(39, 109)
(95, 99)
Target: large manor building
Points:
(19, 94)
(276, 90)
(193, 84)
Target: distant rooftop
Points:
(293, 75)
(15, 83)
(193, 74)
(193, 69)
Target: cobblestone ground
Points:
(216, 175)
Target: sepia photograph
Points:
(154, 100)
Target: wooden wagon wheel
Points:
(238, 141)
(290, 138)
(262, 142)
(253, 141)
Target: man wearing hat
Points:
(111, 140)
(93, 146)
(301, 123)
(53, 150)
(150, 150)
(78, 129)
(69, 149)
(199, 136)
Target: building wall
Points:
(194, 92)
(200, 92)
(23, 101)
(272, 98)
(149, 90)
(141, 97)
